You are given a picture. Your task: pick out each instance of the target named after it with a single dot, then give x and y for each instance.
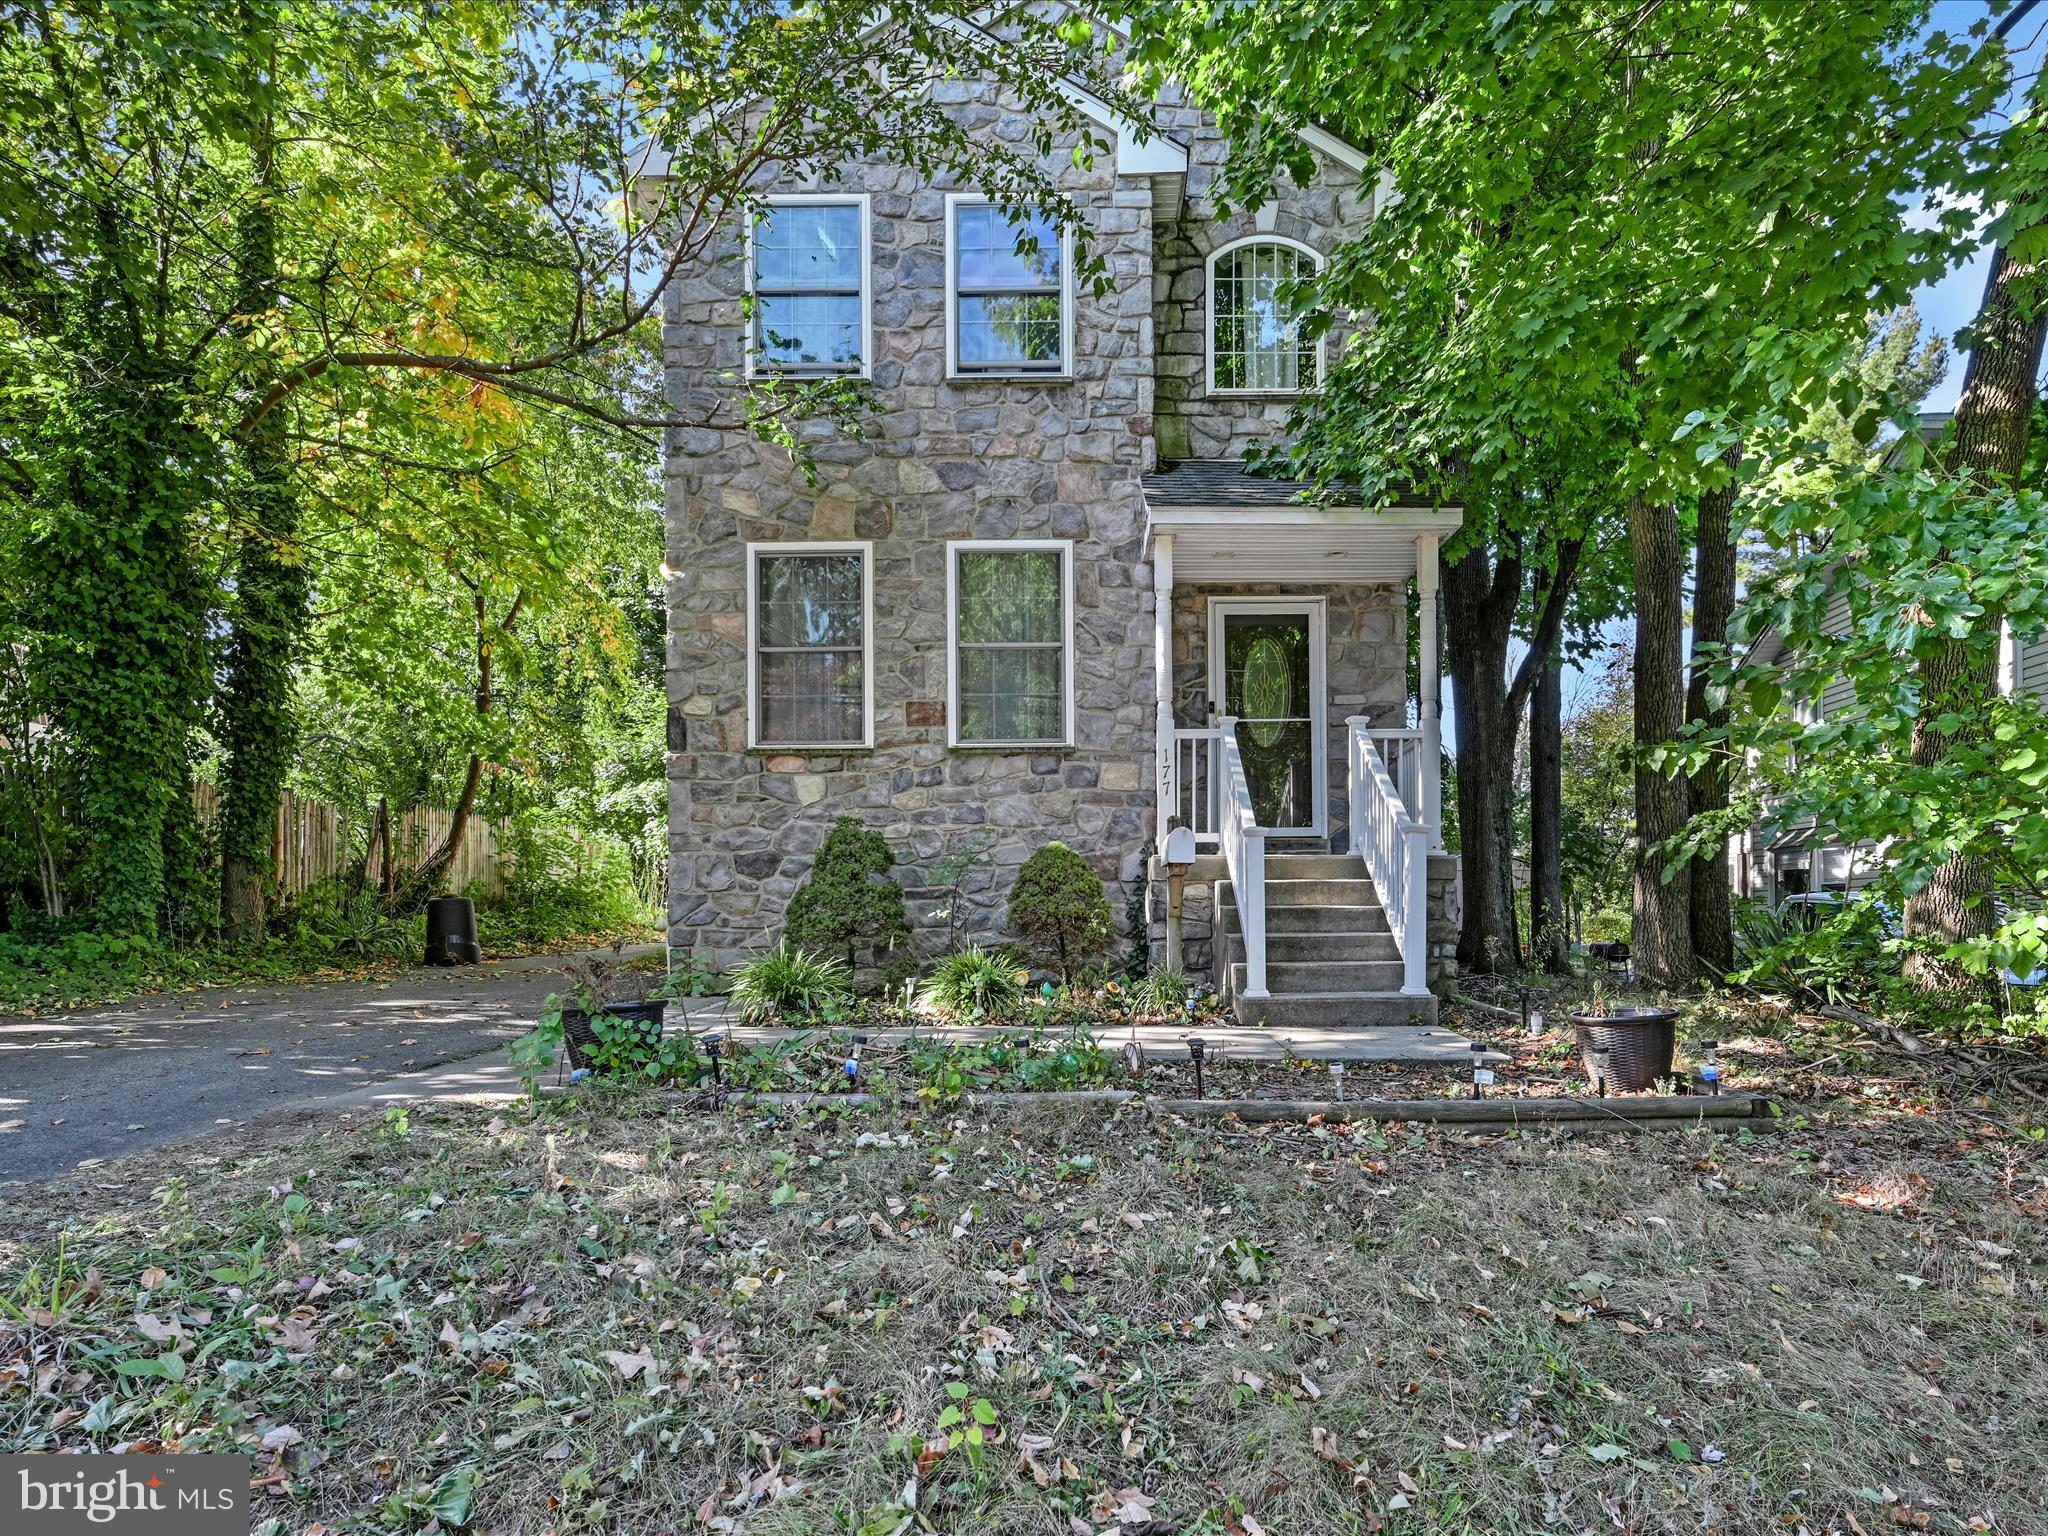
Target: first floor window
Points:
(1009, 292)
(1255, 341)
(809, 610)
(1011, 623)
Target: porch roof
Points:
(1230, 526)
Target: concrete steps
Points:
(1331, 957)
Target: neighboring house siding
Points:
(1838, 696)
(2031, 672)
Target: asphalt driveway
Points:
(103, 1082)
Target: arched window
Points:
(1255, 344)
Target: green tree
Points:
(1616, 233)
(239, 240)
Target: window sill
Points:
(1012, 748)
(994, 376)
(1258, 394)
(811, 749)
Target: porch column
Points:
(1429, 709)
(1162, 681)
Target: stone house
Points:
(1041, 598)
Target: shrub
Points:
(976, 982)
(849, 903)
(789, 981)
(1059, 907)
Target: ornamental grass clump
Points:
(790, 983)
(976, 983)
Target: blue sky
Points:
(1950, 304)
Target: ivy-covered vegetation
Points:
(330, 420)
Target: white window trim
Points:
(955, 548)
(1209, 319)
(756, 367)
(954, 372)
(865, 548)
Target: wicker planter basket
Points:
(580, 1035)
(1639, 1042)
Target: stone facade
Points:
(944, 459)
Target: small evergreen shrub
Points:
(849, 905)
(975, 983)
(789, 982)
(1058, 906)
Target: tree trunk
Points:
(1713, 603)
(1480, 598)
(1548, 938)
(1475, 639)
(434, 868)
(1991, 423)
(257, 723)
(1663, 907)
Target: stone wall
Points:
(1445, 918)
(1192, 422)
(942, 459)
(1366, 672)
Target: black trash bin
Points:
(451, 931)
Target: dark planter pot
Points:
(451, 931)
(1639, 1041)
(580, 1035)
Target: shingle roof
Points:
(1227, 483)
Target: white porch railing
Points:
(1190, 776)
(1244, 855)
(1401, 750)
(1394, 842)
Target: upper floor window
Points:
(1255, 341)
(809, 645)
(809, 279)
(1008, 309)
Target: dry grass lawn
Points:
(616, 1315)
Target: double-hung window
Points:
(809, 645)
(1010, 615)
(809, 280)
(1255, 340)
(1008, 308)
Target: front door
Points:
(1266, 669)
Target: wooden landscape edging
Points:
(1727, 1112)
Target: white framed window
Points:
(808, 273)
(1009, 293)
(810, 645)
(1010, 639)
(1255, 341)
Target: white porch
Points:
(1209, 525)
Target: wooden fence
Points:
(310, 842)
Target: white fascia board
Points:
(1420, 519)
(1331, 147)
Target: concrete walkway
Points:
(79, 1087)
(1221, 1040)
